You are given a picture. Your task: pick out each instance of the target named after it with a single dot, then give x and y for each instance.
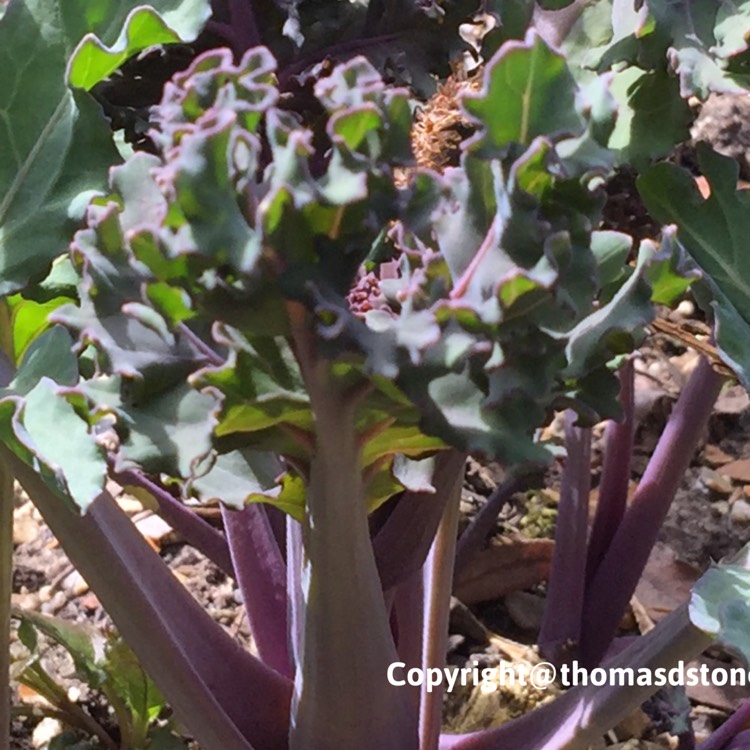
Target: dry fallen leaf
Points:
(739, 470)
(666, 582)
(502, 568)
(725, 698)
(715, 456)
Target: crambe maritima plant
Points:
(277, 310)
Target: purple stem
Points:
(473, 537)
(401, 546)
(613, 489)
(277, 519)
(561, 624)
(210, 681)
(200, 345)
(199, 533)
(438, 584)
(261, 576)
(616, 577)
(408, 608)
(731, 731)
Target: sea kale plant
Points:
(269, 304)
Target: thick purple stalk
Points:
(408, 610)
(561, 624)
(740, 741)
(473, 537)
(198, 532)
(277, 519)
(613, 489)
(438, 584)
(578, 718)
(730, 731)
(226, 698)
(7, 499)
(342, 696)
(401, 546)
(618, 573)
(7, 503)
(261, 575)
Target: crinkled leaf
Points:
(611, 250)
(644, 98)
(170, 432)
(93, 60)
(617, 327)
(528, 91)
(720, 603)
(49, 355)
(670, 273)
(239, 477)
(700, 39)
(415, 476)
(77, 461)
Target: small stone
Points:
(55, 604)
(45, 731)
(75, 584)
(686, 309)
(740, 512)
(45, 593)
(716, 482)
(738, 470)
(129, 504)
(720, 507)
(153, 527)
(715, 456)
(90, 602)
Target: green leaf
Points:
(652, 116)
(57, 145)
(615, 328)
(49, 355)
(668, 273)
(168, 432)
(77, 461)
(85, 643)
(29, 320)
(698, 41)
(93, 60)
(528, 91)
(611, 250)
(238, 477)
(42, 170)
(714, 233)
(134, 686)
(720, 603)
